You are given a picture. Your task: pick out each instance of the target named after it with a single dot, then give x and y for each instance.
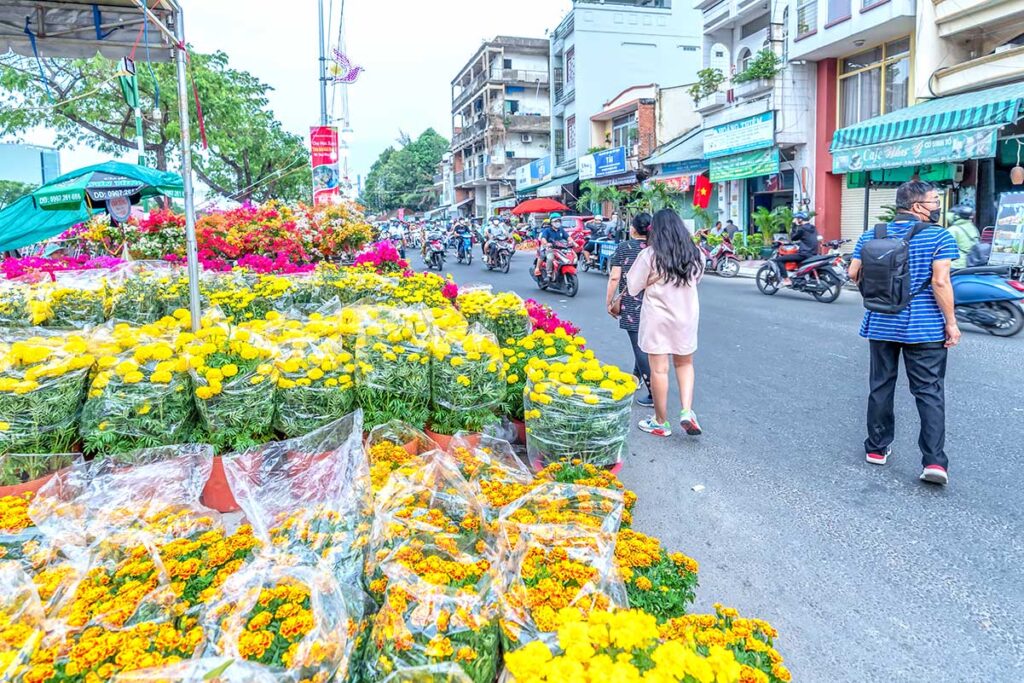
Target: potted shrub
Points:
(763, 67)
(708, 83)
(766, 222)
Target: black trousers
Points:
(641, 364)
(926, 371)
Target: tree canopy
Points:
(250, 156)
(11, 191)
(403, 177)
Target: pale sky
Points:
(411, 50)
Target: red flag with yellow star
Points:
(702, 192)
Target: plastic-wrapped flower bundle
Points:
(355, 285)
(393, 358)
(585, 474)
(140, 398)
(493, 471)
(519, 352)
(567, 505)
(395, 447)
(437, 611)
(503, 314)
(135, 292)
(309, 497)
(426, 289)
(294, 621)
(42, 380)
(14, 305)
(659, 583)
(234, 379)
(622, 645)
(21, 620)
(577, 408)
(21, 476)
(468, 379)
(316, 383)
(74, 302)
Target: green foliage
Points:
(703, 219)
(593, 150)
(654, 197)
(592, 196)
(250, 157)
(888, 214)
(11, 191)
(767, 222)
(708, 83)
(403, 177)
(763, 66)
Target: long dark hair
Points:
(676, 258)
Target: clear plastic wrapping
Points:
(22, 620)
(584, 507)
(497, 476)
(309, 497)
(577, 409)
(395, 446)
(15, 309)
(468, 379)
(20, 539)
(42, 385)
(201, 670)
(77, 300)
(316, 383)
(393, 357)
(504, 314)
(294, 621)
(135, 288)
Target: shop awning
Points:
(530, 189)
(945, 129)
(553, 188)
(687, 147)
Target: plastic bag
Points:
(586, 474)
(20, 540)
(235, 385)
(504, 314)
(351, 285)
(309, 497)
(395, 446)
(202, 670)
(78, 299)
(519, 353)
(393, 357)
(497, 476)
(552, 567)
(423, 623)
(316, 384)
(22, 626)
(295, 621)
(468, 379)
(14, 304)
(42, 381)
(577, 409)
(140, 398)
(584, 507)
(135, 288)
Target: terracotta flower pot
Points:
(217, 494)
(27, 486)
(445, 440)
(520, 430)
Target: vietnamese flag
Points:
(702, 192)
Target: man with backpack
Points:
(903, 271)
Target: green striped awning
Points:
(992, 108)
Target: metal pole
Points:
(191, 246)
(323, 67)
(138, 121)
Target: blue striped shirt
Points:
(921, 321)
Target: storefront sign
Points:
(744, 135)
(602, 164)
(691, 167)
(947, 147)
(1008, 237)
(323, 141)
(533, 172)
(746, 165)
(679, 183)
(616, 181)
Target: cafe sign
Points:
(753, 132)
(944, 148)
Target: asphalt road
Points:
(867, 573)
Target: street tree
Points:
(11, 191)
(249, 157)
(403, 177)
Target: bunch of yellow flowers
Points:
(467, 379)
(504, 314)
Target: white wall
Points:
(890, 20)
(525, 62)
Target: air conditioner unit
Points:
(526, 137)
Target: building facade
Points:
(30, 164)
(604, 47)
(500, 121)
(759, 122)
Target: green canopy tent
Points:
(22, 224)
(81, 28)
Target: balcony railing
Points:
(566, 94)
(469, 175)
(470, 132)
(522, 76)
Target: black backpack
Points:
(885, 271)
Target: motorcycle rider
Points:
(598, 231)
(962, 227)
(551, 234)
(499, 233)
(489, 231)
(803, 234)
(462, 229)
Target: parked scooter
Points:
(721, 259)
(565, 280)
(988, 297)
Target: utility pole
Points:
(323, 67)
(130, 90)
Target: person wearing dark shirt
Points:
(625, 307)
(803, 235)
(551, 234)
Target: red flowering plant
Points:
(159, 234)
(34, 265)
(543, 318)
(383, 258)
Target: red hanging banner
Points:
(323, 140)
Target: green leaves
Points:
(404, 177)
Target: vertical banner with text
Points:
(323, 140)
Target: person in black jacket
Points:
(804, 235)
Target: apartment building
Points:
(500, 121)
(910, 88)
(757, 108)
(604, 47)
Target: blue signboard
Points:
(607, 162)
(534, 172)
(684, 167)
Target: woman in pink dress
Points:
(667, 272)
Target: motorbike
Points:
(602, 260)
(465, 249)
(988, 297)
(565, 281)
(435, 253)
(820, 276)
(721, 259)
(500, 255)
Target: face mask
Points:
(934, 215)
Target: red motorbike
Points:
(722, 259)
(565, 280)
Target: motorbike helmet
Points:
(555, 215)
(963, 211)
(802, 215)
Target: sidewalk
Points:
(750, 268)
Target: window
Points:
(507, 63)
(785, 35)
(510, 154)
(743, 61)
(511, 106)
(624, 130)
(874, 82)
(838, 9)
(570, 135)
(806, 17)
(570, 66)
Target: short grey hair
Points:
(912, 192)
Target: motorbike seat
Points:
(815, 259)
(982, 270)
